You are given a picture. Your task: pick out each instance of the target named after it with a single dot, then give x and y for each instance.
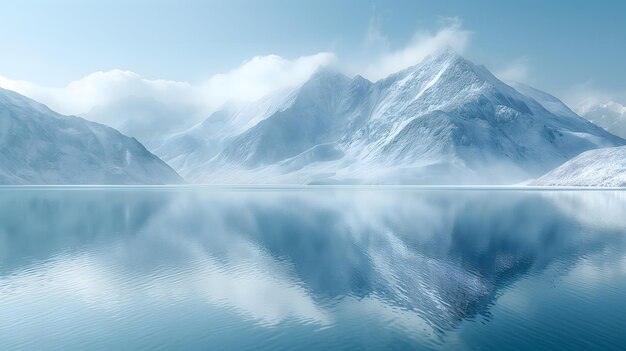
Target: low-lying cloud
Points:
(250, 81)
(143, 107)
(424, 43)
(515, 71)
(262, 75)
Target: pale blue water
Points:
(328, 268)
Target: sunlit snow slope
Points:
(602, 167)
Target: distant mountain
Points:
(40, 146)
(444, 120)
(602, 167)
(610, 116)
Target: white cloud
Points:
(160, 106)
(148, 108)
(103, 89)
(250, 81)
(262, 75)
(424, 43)
(516, 71)
(145, 108)
(583, 97)
(99, 88)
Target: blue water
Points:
(311, 269)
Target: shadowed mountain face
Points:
(444, 120)
(39, 146)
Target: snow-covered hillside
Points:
(40, 146)
(602, 167)
(444, 120)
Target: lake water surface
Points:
(322, 268)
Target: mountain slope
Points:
(444, 120)
(602, 167)
(324, 110)
(486, 120)
(191, 148)
(40, 146)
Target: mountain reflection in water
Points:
(189, 267)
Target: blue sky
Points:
(554, 45)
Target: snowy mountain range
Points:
(442, 121)
(602, 167)
(40, 146)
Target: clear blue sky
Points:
(54, 42)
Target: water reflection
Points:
(418, 263)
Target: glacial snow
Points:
(603, 167)
(40, 146)
(442, 121)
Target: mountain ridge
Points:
(444, 119)
(40, 146)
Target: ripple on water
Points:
(340, 269)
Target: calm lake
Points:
(322, 268)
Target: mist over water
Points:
(204, 268)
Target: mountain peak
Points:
(425, 124)
(439, 61)
(327, 73)
(445, 54)
(444, 57)
(325, 80)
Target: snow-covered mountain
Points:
(610, 116)
(603, 167)
(40, 146)
(444, 120)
